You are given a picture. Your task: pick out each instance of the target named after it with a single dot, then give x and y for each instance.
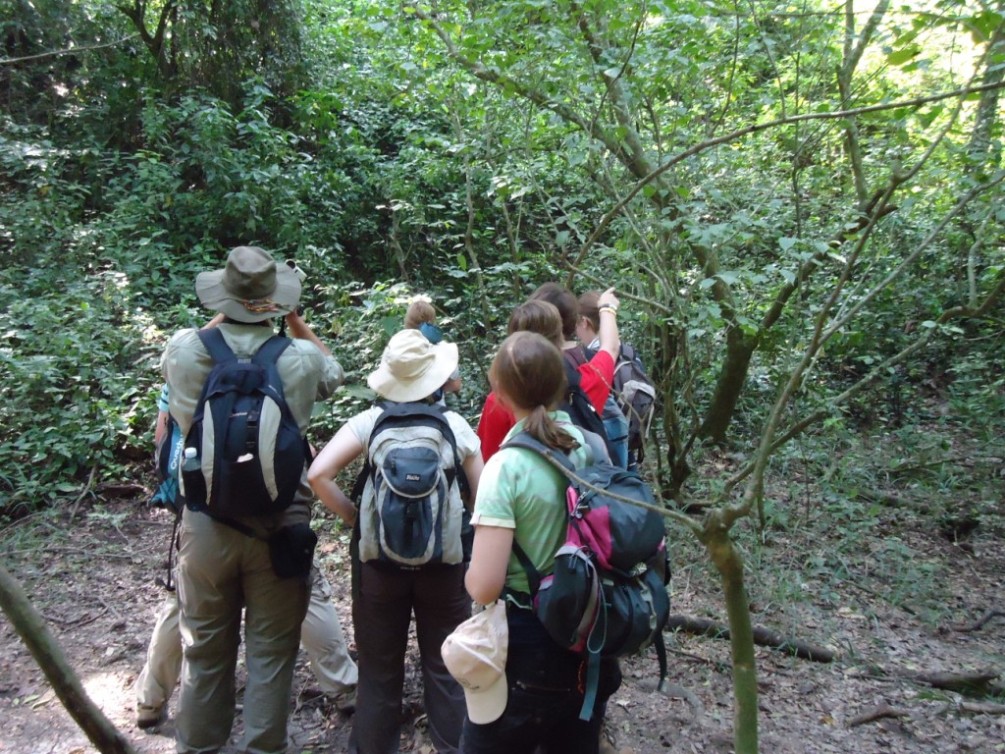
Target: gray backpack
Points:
(410, 489)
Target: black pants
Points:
(382, 610)
(545, 687)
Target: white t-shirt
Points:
(361, 425)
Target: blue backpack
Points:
(167, 458)
(250, 452)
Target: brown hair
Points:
(538, 316)
(565, 302)
(528, 369)
(589, 304)
(419, 311)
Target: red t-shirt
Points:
(595, 378)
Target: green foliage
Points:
(74, 400)
(368, 142)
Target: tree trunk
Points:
(739, 350)
(987, 106)
(728, 562)
(50, 658)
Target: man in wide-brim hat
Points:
(222, 568)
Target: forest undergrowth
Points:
(876, 551)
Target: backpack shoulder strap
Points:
(399, 413)
(269, 352)
(572, 375)
(576, 356)
(558, 459)
(267, 357)
(217, 346)
(533, 575)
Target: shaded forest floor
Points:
(882, 586)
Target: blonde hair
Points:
(420, 311)
(528, 369)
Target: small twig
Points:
(971, 460)
(693, 657)
(877, 595)
(880, 712)
(68, 51)
(18, 522)
(988, 616)
(115, 613)
(83, 493)
(77, 621)
(74, 550)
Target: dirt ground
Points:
(94, 583)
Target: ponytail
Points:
(543, 428)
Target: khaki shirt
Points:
(307, 374)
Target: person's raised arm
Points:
(300, 329)
(340, 451)
(607, 306)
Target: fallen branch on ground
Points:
(963, 683)
(982, 622)
(762, 637)
(982, 708)
(978, 683)
(879, 713)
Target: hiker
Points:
(521, 499)
(397, 570)
(224, 566)
(321, 634)
(588, 333)
(421, 316)
(321, 637)
(632, 392)
(594, 377)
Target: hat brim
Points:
(387, 386)
(487, 705)
(212, 294)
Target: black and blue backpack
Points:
(251, 454)
(576, 403)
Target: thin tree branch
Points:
(756, 128)
(67, 51)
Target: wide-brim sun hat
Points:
(251, 287)
(412, 368)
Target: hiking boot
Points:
(345, 701)
(148, 716)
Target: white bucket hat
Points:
(475, 655)
(251, 288)
(412, 368)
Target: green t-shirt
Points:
(520, 490)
